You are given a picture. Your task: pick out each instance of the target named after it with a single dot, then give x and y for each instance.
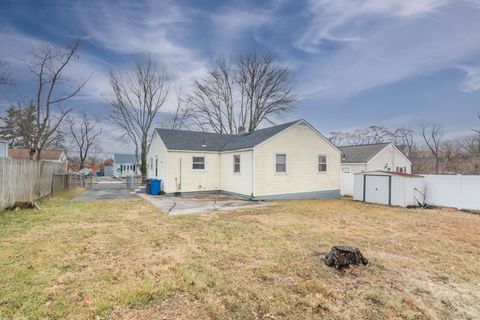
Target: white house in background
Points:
(370, 157)
(58, 156)
(125, 164)
(287, 161)
(373, 157)
(3, 149)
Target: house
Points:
(58, 156)
(3, 149)
(372, 157)
(125, 164)
(287, 161)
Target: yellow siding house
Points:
(287, 161)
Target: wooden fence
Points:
(27, 180)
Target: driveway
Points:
(106, 188)
(184, 205)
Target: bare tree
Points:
(247, 94)
(212, 100)
(52, 92)
(181, 118)
(84, 134)
(138, 97)
(368, 135)
(266, 90)
(404, 140)
(432, 136)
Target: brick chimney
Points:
(241, 130)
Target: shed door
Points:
(377, 189)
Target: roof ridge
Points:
(233, 134)
(364, 144)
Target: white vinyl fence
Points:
(458, 191)
(26, 180)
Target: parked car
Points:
(85, 172)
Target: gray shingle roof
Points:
(124, 158)
(361, 153)
(208, 141)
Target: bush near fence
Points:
(27, 180)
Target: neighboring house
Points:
(372, 157)
(125, 164)
(58, 156)
(3, 149)
(288, 161)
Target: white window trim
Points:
(275, 163)
(233, 160)
(318, 163)
(204, 163)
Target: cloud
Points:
(472, 79)
(380, 42)
(347, 20)
(153, 28)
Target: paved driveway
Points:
(200, 204)
(106, 188)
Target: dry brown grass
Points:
(125, 260)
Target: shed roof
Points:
(361, 153)
(393, 173)
(124, 158)
(208, 141)
(25, 154)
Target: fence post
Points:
(53, 183)
(459, 201)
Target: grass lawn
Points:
(125, 260)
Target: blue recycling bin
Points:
(155, 186)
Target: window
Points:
(151, 163)
(236, 163)
(346, 169)
(156, 167)
(322, 163)
(281, 163)
(198, 163)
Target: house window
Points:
(346, 169)
(281, 163)
(151, 163)
(322, 163)
(198, 163)
(156, 167)
(236, 163)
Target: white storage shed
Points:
(390, 188)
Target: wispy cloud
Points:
(152, 28)
(385, 41)
(472, 79)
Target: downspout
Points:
(253, 176)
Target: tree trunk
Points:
(143, 163)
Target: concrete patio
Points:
(184, 205)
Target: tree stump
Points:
(344, 256)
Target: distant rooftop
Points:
(124, 158)
(25, 154)
(361, 153)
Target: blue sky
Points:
(354, 62)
